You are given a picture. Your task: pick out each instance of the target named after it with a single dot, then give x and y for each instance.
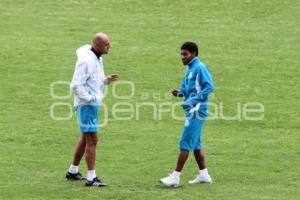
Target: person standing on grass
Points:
(196, 85)
(88, 87)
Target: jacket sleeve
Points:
(206, 86)
(182, 89)
(79, 79)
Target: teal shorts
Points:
(191, 138)
(87, 117)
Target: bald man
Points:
(88, 88)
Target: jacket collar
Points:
(194, 61)
(95, 53)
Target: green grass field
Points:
(252, 49)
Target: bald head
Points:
(101, 43)
(100, 37)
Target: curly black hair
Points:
(190, 46)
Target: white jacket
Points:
(88, 79)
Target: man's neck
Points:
(96, 53)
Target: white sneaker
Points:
(171, 181)
(202, 178)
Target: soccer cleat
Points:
(202, 178)
(75, 177)
(95, 182)
(170, 181)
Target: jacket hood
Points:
(82, 51)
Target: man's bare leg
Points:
(79, 151)
(183, 156)
(90, 150)
(203, 176)
(73, 172)
(199, 156)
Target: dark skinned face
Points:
(187, 56)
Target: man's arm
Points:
(181, 89)
(79, 79)
(206, 84)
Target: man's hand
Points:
(175, 92)
(111, 78)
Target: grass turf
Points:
(251, 48)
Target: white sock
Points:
(73, 169)
(176, 173)
(91, 174)
(203, 171)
